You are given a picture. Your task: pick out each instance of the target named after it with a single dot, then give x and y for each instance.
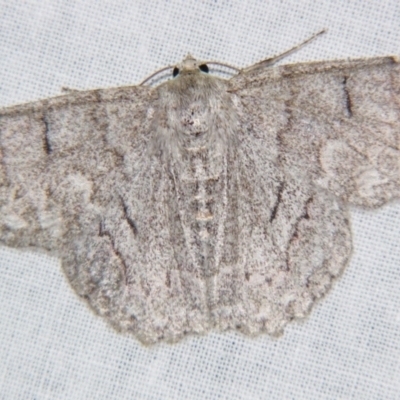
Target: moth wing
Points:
(65, 164)
(312, 138)
(337, 121)
(285, 239)
(58, 155)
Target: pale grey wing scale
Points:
(313, 137)
(285, 240)
(64, 163)
(166, 298)
(43, 165)
(79, 179)
(337, 121)
(307, 139)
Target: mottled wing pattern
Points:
(313, 137)
(286, 240)
(82, 176)
(203, 203)
(337, 121)
(66, 165)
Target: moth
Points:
(203, 203)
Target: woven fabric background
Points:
(53, 347)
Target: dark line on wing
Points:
(168, 279)
(304, 215)
(104, 232)
(130, 221)
(278, 200)
(308, 202)
(347, 98)
(285, 130)
(101, 229)
(295, 234)
(46, 140)
(357, 151)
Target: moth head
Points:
(189, 66)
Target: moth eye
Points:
(175, 72)
(204, 68)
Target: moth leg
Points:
(273, 60)
(68, 90)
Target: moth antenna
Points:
(270, 61)
(221, 65)
(155, 73)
